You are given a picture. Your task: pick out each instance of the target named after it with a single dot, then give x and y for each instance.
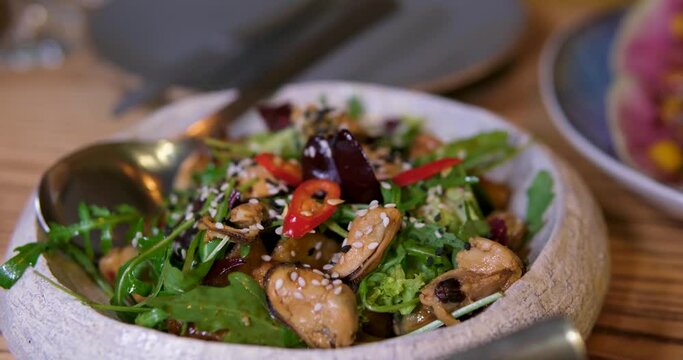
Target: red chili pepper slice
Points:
(305, 211)
(287, 171)
(425, 171)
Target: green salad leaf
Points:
(540, 195)
(354, 107)
(238, 311)
(479, 153)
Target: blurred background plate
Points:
(434, 45)
(575, 77)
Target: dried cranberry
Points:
(276, 117)
(448, 291)
(499, 230)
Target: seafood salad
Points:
(334, 228)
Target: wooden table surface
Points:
(45, 114)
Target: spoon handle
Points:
(351, 19)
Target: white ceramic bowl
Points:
(569, 258)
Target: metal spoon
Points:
(141, 173)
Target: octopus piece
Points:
(216, 230)
(370, 234)
(315, 250)
(484, 269)
(323, 312)
(498, 194)
(405, 324)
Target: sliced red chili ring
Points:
(305, 211)
(425, 171)
(287, 171)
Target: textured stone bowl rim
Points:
(568, 276)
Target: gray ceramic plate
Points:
(432, 45)
(568, 274)
(575, 80)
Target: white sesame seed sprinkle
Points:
(317, 307)
(298, 295)
(385, 219)
(301, 282)
(315, 282)
(278, 230)
(386, 185)
(306, 213)
(334, 202)
(293, 275)
(278, 284)
(337, 282)
(335, 275)
(325, 282)
(329, 287)
(219, 225)
(265, 258)
(357, 233)
(390, 205)
(373, 245)
(253, 201)
(373, 204)
(292, 253)
(437, 234)
(317, 271)
(361, 212)
(318, 245)
(338, 290)
(327, 266)
(357, 244)
(259, 226)
(419, 225)
(306, 266)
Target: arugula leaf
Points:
(151, 318)
(238, 311)
(540, 195)
(59, 238)
(354, 107)
(480, 152)
(12, 270)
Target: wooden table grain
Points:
(45, 114)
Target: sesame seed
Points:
(337, 282)
(317, 271)
(298, 295)
(368, 230)
(325, 282)
(280, 202)
(253, 201)
(318, 245)
(292, 253)
(419, 225)
(260, 227)
(437, 234)
(357, 233)
(318, 255)
(373, 204)
(348, 227)
(357, 244)
(219, 225)
(312, 232)
(317, 307)
(301, 282)
(278, 284)
(329, 287)
(385, 219)
(293, 275)
(386, 185)
(362, 212)
(224, 187)
(335, 202)
(335, 257)
(327, 266)
(373, 245)
(335, 275)
(390, 205)
(265, 258)
(306, 213)
(278, 230)
(344, 242)
(306, 266)
(315, 282)
(338, 290)
(189, 216)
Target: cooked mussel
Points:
(322, 311)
